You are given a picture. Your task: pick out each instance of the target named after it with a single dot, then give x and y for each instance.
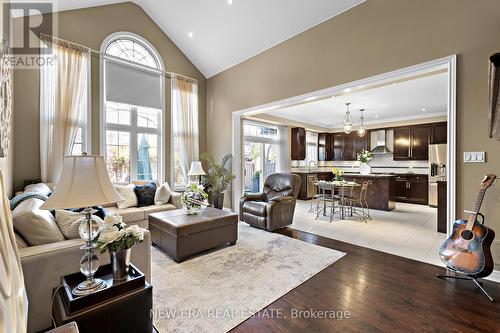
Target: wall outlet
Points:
(475, 157)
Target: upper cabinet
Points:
(298, 144)
(412, 142)
(439, 133)
(340, 146)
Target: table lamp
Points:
(85, 183)
(196, 170)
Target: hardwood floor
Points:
(382, 293)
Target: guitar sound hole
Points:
(467, 234)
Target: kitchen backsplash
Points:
(380, 164)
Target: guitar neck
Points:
(477, 207)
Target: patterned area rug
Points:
(217, 290)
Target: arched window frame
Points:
(102, 107)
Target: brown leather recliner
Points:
(274, 208)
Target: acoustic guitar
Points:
(467, 250)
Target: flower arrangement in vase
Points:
(338, 174)
(364, 157)
(118, 239)
(194, 199)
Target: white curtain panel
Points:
(63, 87)
(185, 120)
(283, 150)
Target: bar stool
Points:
(327, 198)
(317, 194)
(358, 200)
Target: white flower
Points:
(135, 231)
(110, 236)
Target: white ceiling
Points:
(225, 35)
(418, 98)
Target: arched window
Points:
(132, 108)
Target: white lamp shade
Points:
(196, 169)
(84, 182)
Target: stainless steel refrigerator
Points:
(437, 169)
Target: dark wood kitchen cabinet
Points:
(412, 142)
(343, 147)
(298, 149)
(412, 189)
(323, 146)
(419, 142)
(338, 144)
(439, 133)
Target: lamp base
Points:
(88, 287)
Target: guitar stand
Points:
(479, 284)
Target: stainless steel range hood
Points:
(381, 141)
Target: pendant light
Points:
(362, 128)
(347, 120)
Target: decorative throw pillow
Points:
(35, 225)
(67, 222)
(162, 194)
(128, 194)
(145, 194)
(38, 188)
(101, 212)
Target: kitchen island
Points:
(381, 193)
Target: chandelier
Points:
(362, 127)
(347, 120)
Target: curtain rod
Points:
(170, 75)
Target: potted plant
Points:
(364, 157)
(218, 178)
(118, 239)
(194, 198)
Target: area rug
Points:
(217, 290)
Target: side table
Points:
(120, 307)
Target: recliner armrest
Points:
(282, 198)
(255, 196)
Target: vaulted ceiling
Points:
(218, 34)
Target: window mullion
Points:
(133, 142)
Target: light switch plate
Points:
(475, 157)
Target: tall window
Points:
(133, 100)
(261, 145)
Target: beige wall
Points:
(376, 37)
(7, 163)
(90, 27)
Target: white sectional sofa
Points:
(45, 262)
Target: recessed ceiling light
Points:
(424, 109)
(308, 99)
(190, 34)
(376, 116)
(347, 90)
(229, 2)
(333, 97)
(394, 83)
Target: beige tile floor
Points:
(408, 231)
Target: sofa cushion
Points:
(35, 225)
(132, 214)
(145, 194)
(128, 194)
(255, 207)
(21, 243)
(38, 188)
(155, 209)
(162, 194)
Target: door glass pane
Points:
(147, 156)
(252, 171)
(118, 155)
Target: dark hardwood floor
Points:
(382, 293)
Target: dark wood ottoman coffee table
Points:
(182, 235)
